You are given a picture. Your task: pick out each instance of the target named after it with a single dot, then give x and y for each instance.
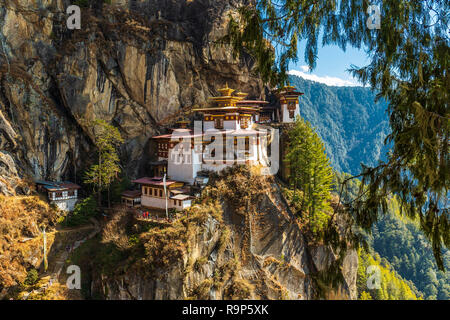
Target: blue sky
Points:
(331, 65)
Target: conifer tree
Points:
(310, 172)
(107, 138)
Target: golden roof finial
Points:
(226, 91)
(288, 86)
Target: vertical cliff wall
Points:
(136, 64)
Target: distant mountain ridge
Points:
(349, 121)
(353, 128)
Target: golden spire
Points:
(226, 92)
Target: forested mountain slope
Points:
(397, 243)
(353, 128)
(409, 252)
(351, 124)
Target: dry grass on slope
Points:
(239, 186)
(20, 245)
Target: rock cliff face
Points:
(137, 64)
(240, 241)
(140, 65)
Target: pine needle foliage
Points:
(310, 172)
(107, 138)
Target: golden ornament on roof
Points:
(242, 94)
(225, 92)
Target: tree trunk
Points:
(109, 198)
(99, 199)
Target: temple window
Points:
(218, 123)
(244, 122)
(291, 109)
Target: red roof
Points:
(70, 185)
(131, 193)
(156, 181)
(58, 186)
(162, 136)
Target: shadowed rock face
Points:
(136, 64)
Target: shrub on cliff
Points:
(84, 210)
(239, 185)
(32, 277)
(107, 138)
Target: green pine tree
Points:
(310, 173)
(107, 139)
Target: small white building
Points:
(62, 194)
(153, 195)
(181, 201)
(131, 198)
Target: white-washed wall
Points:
(65, 205)
(285, 113)
(154, 202)
(184, 167)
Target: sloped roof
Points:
(156, 181)
(58, 186)
(181, 197)
(131, 193)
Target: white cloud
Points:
(304, 68)
(330, 81)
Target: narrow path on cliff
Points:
(61, 259)
(56, 264)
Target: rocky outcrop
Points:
(137, 64)
(247, 246)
